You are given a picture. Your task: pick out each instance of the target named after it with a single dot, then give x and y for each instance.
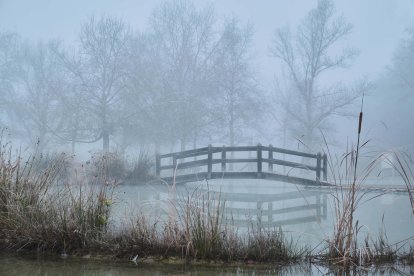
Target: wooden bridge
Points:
(218, 163)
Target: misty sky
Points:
(378, 24)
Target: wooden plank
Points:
(241, 160)
(290, 164)
(184, 152)
(241, 149)
(325, 167)
(203, 162)
(223, 159)
(210, 162)
(186, 165)
(192, 154)
(318, 166)
(270, 157)
(292, 152)
(259, 161)
(249, 175)
(157, 164)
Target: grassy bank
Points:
(40, 211)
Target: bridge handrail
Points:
(204, 151)
(320, 168)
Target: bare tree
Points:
(307, 56)
(237, 100)
(402, 69)
(183, 41)
(9, 68)
(36, 107)
(100, 69)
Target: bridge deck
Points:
(179, 179)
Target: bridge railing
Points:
(203, 157)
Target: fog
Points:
(168, 75)
(266, 114)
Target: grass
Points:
(43, 212)
(195, 230)
(343, 247)
(40, 211)
(37, 212)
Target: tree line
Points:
(188, 78)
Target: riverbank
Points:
(48, 265)
(42, 213)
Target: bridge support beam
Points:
(223, 159)
(209, 162)
(325, 167)
(270, 158)
(318, 166)
(157, 165)
(259, 160)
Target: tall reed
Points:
(39, 212)
(347, 174)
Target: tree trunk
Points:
(231, 165)
(105, 141)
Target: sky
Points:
(378, 25)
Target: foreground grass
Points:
(41, 212)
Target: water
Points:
(13, 265)
(306, 214)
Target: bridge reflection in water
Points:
(268, 209)
(243, 210)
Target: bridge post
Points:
(157, 165)
(318, 166)
(325, 167)
(270, 212)
(270, 158)
(259, 160)
(223, 159)
(209, 162)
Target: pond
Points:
(13, 265)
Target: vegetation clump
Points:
(40, 211)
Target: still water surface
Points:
(306, 214)
(36, 266)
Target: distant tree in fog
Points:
(237, 101)
(100, 70)
(394, 92)
(9, 68)
(307, 56)
(36, 105)
(402, 68)
(183, 41)
(143, 123)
